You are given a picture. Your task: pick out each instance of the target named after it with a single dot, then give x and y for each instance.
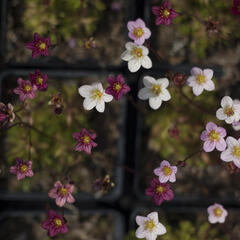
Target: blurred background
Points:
(88, 37)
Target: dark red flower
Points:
(39, 80)
(236, 7)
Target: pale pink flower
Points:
(62, 193)
(216, 213)
(166, 172)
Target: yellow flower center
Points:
(214, 136)
(57, 222)
(217, 212)
(137, 52)
(64, 191)
(97, 94)
(39, 80)
(160, 189)
(201, 79)
(23, 168)
(229, 111)
(156, 89)
(42, 46)
(138, 32)
(86, 139)
(167, 171)
(166, 13)
(236, 151)
(117, 87)
(27, 88)
(149, 225)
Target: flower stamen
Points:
(156, 89)
(201, 79)
(214, 136)
(236, 151)
(229, 111)
(167, 171)
(137, 52)
(97, 94)
(138, 32)
(218, 212)
(149, 225)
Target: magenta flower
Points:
(217, 213)
(213, 137)
(6, 113)
(25, 89)
(39, 45)
(39, 80)
(22, 169)
(117, 86)
(55, 224)
(85, 141)
(159, 191)
(138, 31)
(62, 193)
(164, 14)
(166, 172)
(236, 7)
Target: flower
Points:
(117, 86)
(95, 96)
(103, 184)
(216, 213)
(166, 172)
(90, 43)
(232, 153)
(159, 191)
(55, 224)
(57, 103)
(6, 113)
(149, 227)
(213, 137)
(155, 91)
(25, 89)
(230, 110)
(136, 56)
(62, 193)
(138, 31)
(39, 80)
(236, 125)
(85, 141)
(39, 45)
(22, 169)
(200, 80)
(164, 14)
(236, 7)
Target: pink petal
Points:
(209, 146)
(221, 145)
(211, 126)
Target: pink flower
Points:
(164, 14)
(55, 224)
(39, 45)
(25, 89)
(236, 7)
(22, 169)
(166, 172)
(216, 213)
(6, 113)
(62, 193)
(213, 137)
(138, 31)
(39, 80)
(117, 87)
(159, 191)
(85, 141)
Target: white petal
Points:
(100, 106)
(89, 103)
(165, 95)
(85, 90)
(151, 236)
(153, 216)
(237, 162)
(149, 81)
(208, 73)
(226, 101)
(107, 97)
(209, 85)
(226, 155)
(191, 81)
(155, 102)
(212, 219)
(163, 81)
(229, 120)
(126, 56)
(160, 229)
(145, 50)
(134, 65)
(146, 62)
(232, 142)
(220, 114)
(130, 45)
(196, 71)
(197, 90)
(140, 233)
(97, 85)
(141, 220)
(145, 93)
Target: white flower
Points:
(217, 213)
(155, 91)
(95, 96)
(232, 153)
(136, 56)
(200, 80)
(230, 110)
(149, 227)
